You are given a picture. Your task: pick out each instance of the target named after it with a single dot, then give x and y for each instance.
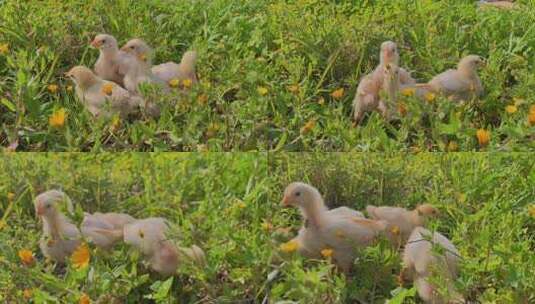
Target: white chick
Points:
(140, 72)
(60, 237)
(102, 97)
(421, 262)
(105, 229)
(343, 235)
(112, 63)
(462, 83)
(401, 221)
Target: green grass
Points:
(483, 200)
(218, 201)
(318, 46)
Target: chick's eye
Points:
(48, 206)
(297, 193)
(103, 40)
(132, 47)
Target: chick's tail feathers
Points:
(188, 65)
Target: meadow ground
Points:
(487, 210)
(217, 201)
(268, 72)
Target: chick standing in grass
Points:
(60, 237)
(342, 234)
(168, 71)
(102, 97)
(112, 63)
(401, 221)
(387, 77)
(458, 84)
(105, 229)
(140, 72)
(149, 237)
(430, 255)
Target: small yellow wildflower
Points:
(262, 91)
(4, 48)
(10, 196)
(308, 126)
(81, 256)
(53, 88)
(531, 211)
(327, 253)
(395, 230)
(27, 294)
(289, 246)
(202, 99)
(84, 299)
(294, 88)
(26, 257)
(57, 119)
(483, 137)
(511, 109)
(174, 83)
(338, 94)
(402, 109)
(430, 97)
(186, 83)
(408, 92)
(453, 146)
(107, 89)
(69, 88)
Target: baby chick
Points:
(112, 63)
(140, 72)
(387, 77)
(421, 262)
(102, 97)
(341, 234)
(462, 83)
(166, 71)
(60, 237)
(105, 229)
(401, 221)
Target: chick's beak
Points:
(39, 210)
(96, 44)
(285, 202)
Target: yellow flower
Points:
(10, 196)
(202, 99)
(262, 90)
(395, 230)
(26, 257)
(290, 246)
(53, 88)
(338, 94)
(294, 88)
(327, 253)
(57, 119)
(511, 109)
(174, 83)
(81, 256)
(186, 83)
(266, 226)
(430, 97)
(408, 92)
(4, 48)
(308, 126)
(531, 116)
(27, 294)
(483, 137)
(107, 89)
(69, 88)
(402, 109)
(531, 211)
(84, 299)
(453, 146)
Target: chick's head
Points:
(104, 41)
(299, 195)
(46, 202)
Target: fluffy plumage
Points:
(105, 229)
(112, 63)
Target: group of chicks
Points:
(343, 231)
(61, 237)
(378, 91)
(114, 85)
